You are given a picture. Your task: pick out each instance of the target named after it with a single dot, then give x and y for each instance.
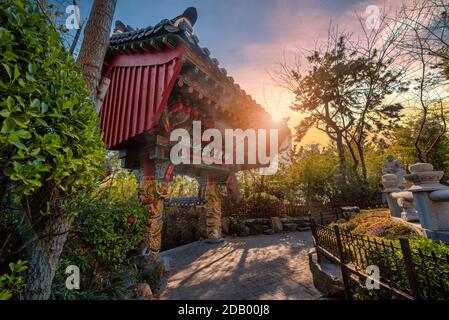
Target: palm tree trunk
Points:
(96, 42)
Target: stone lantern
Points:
(391, 184)
(431, 199)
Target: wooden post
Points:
(344, 271)
(410, 268)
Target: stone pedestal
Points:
(391, 185)
(431, 199)
(405, 201)
(276, 224)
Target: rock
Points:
(268, 232)
(225, 223)
(303, 223)
(246, 232)
(128, 281)
(290, 226)
(350, 210)
(250, 222)
(143, 291)
(276, 224)
(326, 276)
(151, 270)
(302, 229)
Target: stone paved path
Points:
(256, 267)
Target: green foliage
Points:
(403, 139)
(311, 177)
(114, 222)
(108, 231)
(431, 275)
(256, 228)
(12, 284)
(49, 128)
(262, 199)
(440, 249)
(112, 229)
(183, 187)
(236, 226)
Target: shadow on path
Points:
(256, 267)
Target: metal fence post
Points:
(313, 229)
(410, 268)
(344, 271)
(315, 239)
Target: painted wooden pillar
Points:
(213, 210)
(202, 184)
(152, 194)
(232, 188)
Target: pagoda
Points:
(159, 79)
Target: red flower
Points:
(132, 220)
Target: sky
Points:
(250, 37)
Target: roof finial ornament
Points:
(191, 14)
(189, 17)
(120, 27)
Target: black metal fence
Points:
(405, 272)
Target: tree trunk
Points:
(41, 240)
(341, 161)
(96, 42)
(43, 256)
(355, 166)
(362, 162)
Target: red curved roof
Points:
(140, 86)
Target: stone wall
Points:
(183, 225)
(264, 225)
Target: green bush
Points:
(262, 199)
(107, 233)
(111, 229)
(49, 134)
(12, 284)
(236, 226)
(114, 222)
(256, 229)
